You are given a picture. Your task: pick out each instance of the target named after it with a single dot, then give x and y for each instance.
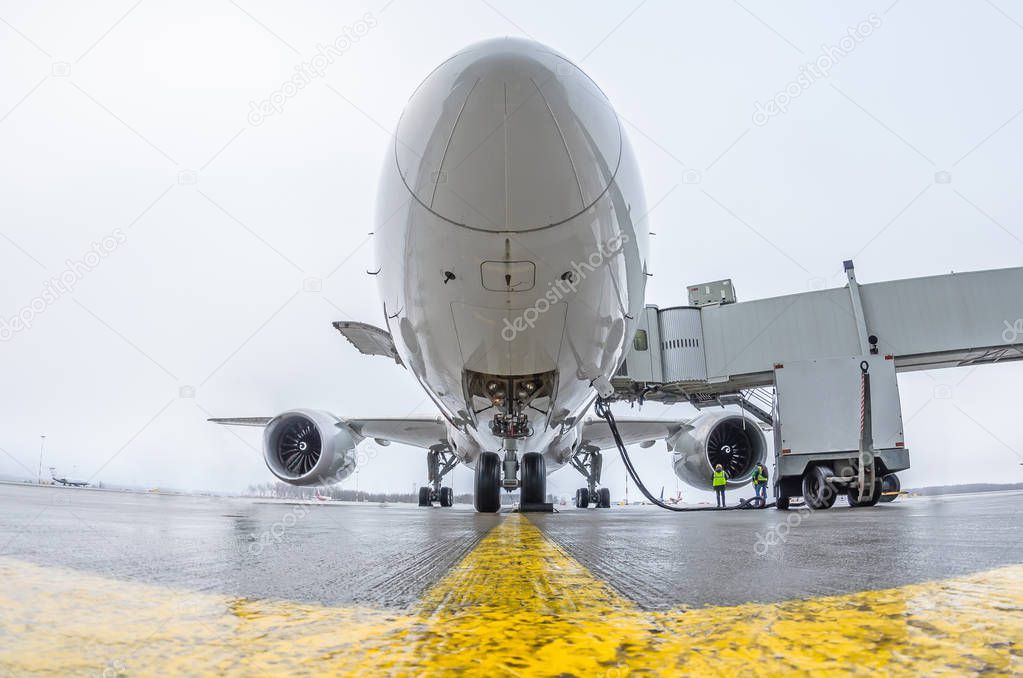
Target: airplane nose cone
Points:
(508, 135)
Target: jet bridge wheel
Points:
(424, 497)
(534, 479)
(487, 497)
(854, 495)
(890, 487)
(817, 491)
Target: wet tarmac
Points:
(663, 560)
(106, 583)
(333, 554)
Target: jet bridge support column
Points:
(867, 467)
(857, 306)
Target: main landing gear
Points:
(589, 462)
(439, 462)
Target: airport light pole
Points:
(42, 442)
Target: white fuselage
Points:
(510, 242)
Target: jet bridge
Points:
(810, 365)
(701, 352)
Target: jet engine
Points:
(308, 447)
(718, 437)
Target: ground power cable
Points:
(602, 408)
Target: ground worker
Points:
(720, 479)
(760, 484)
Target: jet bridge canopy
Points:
(689, 353)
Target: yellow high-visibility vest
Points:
(719, 478)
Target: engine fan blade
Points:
(300, 447)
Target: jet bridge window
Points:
(639, 343)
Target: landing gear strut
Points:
(589, 462)
(439, 462)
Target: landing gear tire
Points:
(603, 498)
(782, 503)
(582, 498)
(817, 491)
(534, 479)
(487, 497)
(447, 497)
(854, 496)
(424, 497)
(890, 486)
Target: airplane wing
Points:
(241, 421)
(423, 432)
(644, 431)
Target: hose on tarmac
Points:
(602, 408)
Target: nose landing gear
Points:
(487, 497)
(532, 485)
(534, 479)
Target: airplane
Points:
(65, 482)
(511, 258)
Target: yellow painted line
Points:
(516, 605)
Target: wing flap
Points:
(369, 340)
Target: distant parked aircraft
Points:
(65, 481)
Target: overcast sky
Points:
(210, 248)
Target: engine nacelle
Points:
(718, 437)
(308, 447)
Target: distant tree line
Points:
(279, 490)
(970, 488)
